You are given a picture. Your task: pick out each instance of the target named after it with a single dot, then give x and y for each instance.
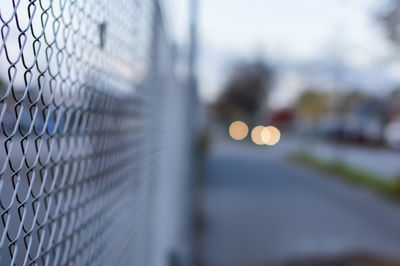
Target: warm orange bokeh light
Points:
(238, 130)
(265, 135)
(272, 137)
(256, 135)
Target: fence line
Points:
(92, 120)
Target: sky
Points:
(291, 33)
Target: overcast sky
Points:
(294, 31)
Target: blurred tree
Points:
(245, 92)
(390, 18)
(347, 101)
(312, 104)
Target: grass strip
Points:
(352, 174)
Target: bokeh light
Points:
(256, 135)
(238, 130)
(274, 135)
(265, 135)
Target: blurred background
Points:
(321, 184)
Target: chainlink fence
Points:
(92, 132)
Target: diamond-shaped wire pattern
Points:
(80, 98)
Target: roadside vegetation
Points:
(351, 174)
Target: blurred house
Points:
(365, 121)
(361, 121)
(392, 127)
(281, 118)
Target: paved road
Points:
(259, 209)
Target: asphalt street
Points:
(260, 209)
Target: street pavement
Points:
(259, 209)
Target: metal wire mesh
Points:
(81, 102)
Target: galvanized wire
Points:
(80, 103)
